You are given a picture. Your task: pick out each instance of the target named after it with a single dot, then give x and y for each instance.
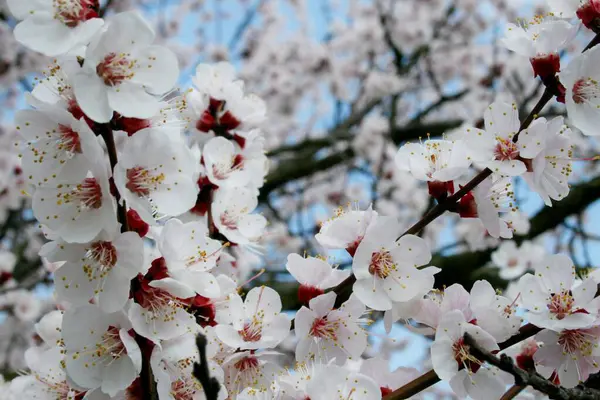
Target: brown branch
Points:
(107, 134)
(430, 378)
(449, 203)
(533, 379)
(146, 376)
(201, 371)
(102, 11)
(513, 392)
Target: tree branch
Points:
(210, 384)
(430, 378)
(533, 379)
(513, 392)
(107, 134)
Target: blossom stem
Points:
(592, 43)
(201, 372)
(513, 392)
(146, 377)
(109, 139)
(104, 9)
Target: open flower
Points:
(77, 209)
(172, 365)
(101, 269)
(55, 27)
(156, 175)
(100, 351)
(494, 147)
(225, 167)
(438, 162)
(325, 333)
(513, 262)
(218, 102)
(551, 298)
(572, 354)
(123, 71)
(549, 170)
(335, 382)
(47, 379)
(494, 313)
(249, 369)
(540, 40)
(386, 269)
(449, 352)
(487, 201)
(345, 229)
(438, 303)
(262, 324)
(190, 255)
(581, 79)
(53, 151)
(231, 211)
(159, 313)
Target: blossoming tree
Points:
(191, 218)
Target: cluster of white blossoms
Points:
(148, 197)
(541, 154)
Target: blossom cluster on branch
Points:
(148, 196)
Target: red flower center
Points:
(141, 181)
(73, 12)
(228, 221)
(103, 253)
(382, 264)
(578, 340)
(246, 363)
(561, 304)
(89, 193)
(307, 293)
(252, 331)
(115, 68)
(584, 90)
(68, 140)
(323, 328)
(463, 356)
(506, 150)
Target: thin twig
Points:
(533, 379)
(513, 392)
(210, 384)
(107, 134)
(103, 10)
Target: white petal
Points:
(158, 69)
(372, 294)
(91, 94)
(131, 100)
(44, 34)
